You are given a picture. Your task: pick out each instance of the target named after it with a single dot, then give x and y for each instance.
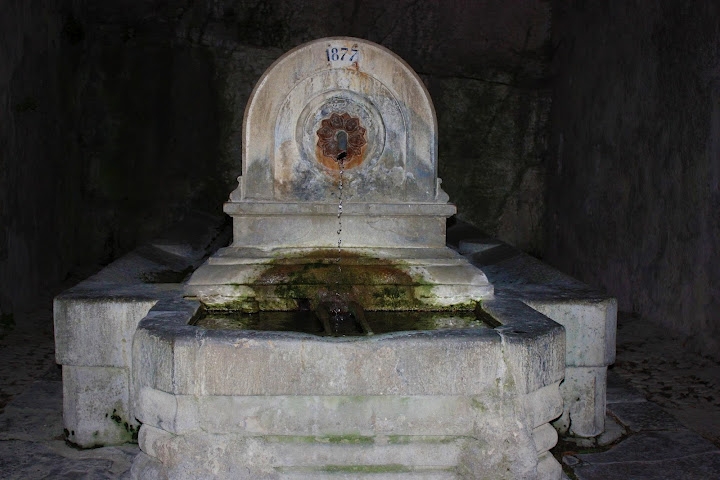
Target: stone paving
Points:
(653, 375)
(645, 443)
(663, 413)
(32, 444)
(656, 363)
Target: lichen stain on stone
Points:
(376, 284)
(322, 274)
(130, 431)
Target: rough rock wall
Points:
(124, 115)
(38, 198)
(634, 182)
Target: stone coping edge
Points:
(411, 209)
(530, 344)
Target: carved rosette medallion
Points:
(341, 136)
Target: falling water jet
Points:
(342, 145)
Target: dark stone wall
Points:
(120, 117)
(38, 195)
(634, 181)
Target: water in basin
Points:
(307, 321)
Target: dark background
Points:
(586, 133)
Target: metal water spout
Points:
(342, 140)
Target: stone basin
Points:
(450, 403)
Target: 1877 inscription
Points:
(342, 54)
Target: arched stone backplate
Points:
(303, 87)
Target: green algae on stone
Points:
(387, 468)
(313, 276)
(407, 439)
(131, 431)
(351, 439)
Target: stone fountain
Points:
(338, 204)
(389, 215)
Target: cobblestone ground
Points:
(663, 413)
(27, 351)
(32, 443)
(27, 341)
(684, 384)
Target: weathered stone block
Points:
(417, 278)
(231, 457)
(95, 329)
(174, 413)
(583, 392)
(96, 407)
(548, 467)
(590, 326)
(175, 357)
(527, 336)
(294, 415)
(367, 225)
(543, 405)
(545, 437)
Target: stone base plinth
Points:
(314, 225)
(378, 278)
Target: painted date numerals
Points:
(342, 54)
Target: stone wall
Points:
(38, 194)
(120, 117)
(106, 141)
(634, 183)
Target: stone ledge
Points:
(442, 362)
(330, 209)
(589, 317)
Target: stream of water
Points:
(379, 322)
(337, 314)
(340, 204)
